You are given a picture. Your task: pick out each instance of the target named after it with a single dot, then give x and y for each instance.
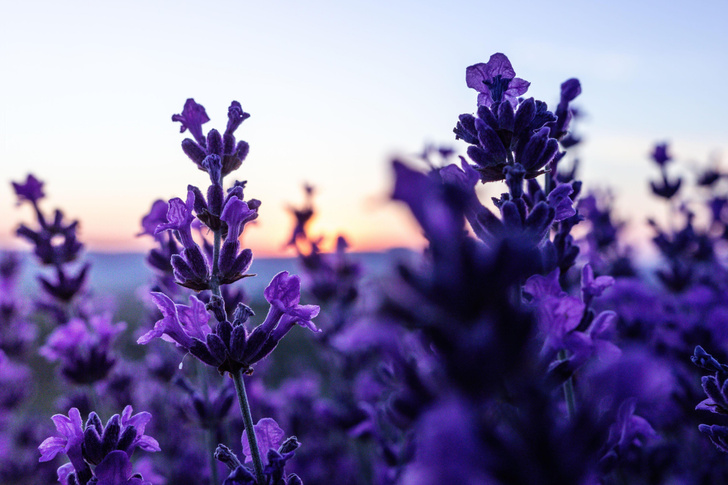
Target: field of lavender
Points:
(525, 345)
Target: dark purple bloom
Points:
(55, 243)
(157, 216)
(69, 440)
(193, 116)
(570, 89)
(230, 347)
(124, 433)
(179, 217)
(116, 469)
(717, 434)
(428, 202)
(230, 152)
(666, 188)
(628, 432)
(180, 324)
(83, 348)
(275, 452)
(269, 436)
(236, 116)
(593, 287)
(31, 190)
(191, 268)
(559, 199)
(236, 213)
(495, 80)
(94, 443)
(660, 155)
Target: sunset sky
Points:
(335, 90)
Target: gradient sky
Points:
(335, 90)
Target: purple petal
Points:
(540, 287)
(193, 116)
(115, 469)
(284, 291)
(269, 436)
(50, 447)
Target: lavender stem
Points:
(248, 420)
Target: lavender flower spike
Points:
(495, 81)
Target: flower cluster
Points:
(99, 454)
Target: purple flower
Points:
(193, 116)
(116, 469)
(236, 116)
(629, 431)
(157, 216)
(179, 324)
(191, 268)
(236, 213)
(31, 190)
(69, 442)
(269, 436)
(559, 199)
(426, 198)
(593, 287)
(179, 218)
(96, 444)
(230, 152)
(83, 348)
(124, 433)
(660, 154)
(284, 294)
(495, 80)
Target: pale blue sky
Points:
(335, 89)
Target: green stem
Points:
(569, 395)
(248, 420)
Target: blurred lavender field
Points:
(120, 275)
(527, 343)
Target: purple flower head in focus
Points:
(229, 347)
(269, 436)
(116, 469)
(495, 81)
(31, 190)
(275, 453)
(230, 152)
(180, 324)
(99, 445)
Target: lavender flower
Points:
(495, 80)
(231, 153)
(229, 347)
(99, 445)
(277, 452)
(84, 348)
(31, 190)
